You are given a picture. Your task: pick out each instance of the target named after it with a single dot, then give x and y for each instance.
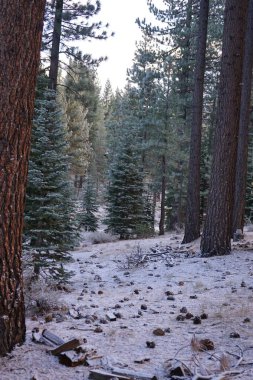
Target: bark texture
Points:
(192, 223)
(21, 24)
(163, 196)
(55, 51)
(216, 238)
(243, 136)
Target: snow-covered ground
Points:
(146, 297)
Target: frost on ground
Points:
(151, 294)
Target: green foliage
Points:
(49, 218)
(125, 195)
(127, 215)
(87, 217)
(76, 24)
(78, 127)
(81, 88)
(107, 99)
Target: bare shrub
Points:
(40, 295)
(99, 237)
(136, 259)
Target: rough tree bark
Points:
(192, 223)
(21, 24)
(163, 197)
(243, 136)
(184, 79)
(55, 51)
(216, 238)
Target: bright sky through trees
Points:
(121, 15)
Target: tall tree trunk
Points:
(243, 136)
(192, 224)
(216, 238)
(55, 51)
(184, 108)
(163, 189)
(21, 24)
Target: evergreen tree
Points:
(20, 39)
(77, 119)
(67, 21)
(192, 224)
(88, 218)
(107, 99)
(243, 134)
(249, 188)
(177, 24)
(49, 222)
(127, 212)
(125, 195)
(216, 238)
(82, 87)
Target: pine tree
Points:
(216, 237)
(20, 38)
(243, 134)
(49, 222)
(88, 218)
(107, 99)
(192, 223)
(125, 202)
(249, 188)
(77, 125)
(125, 196)
(65, 21)
(82, 87)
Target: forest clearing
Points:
(145, 295)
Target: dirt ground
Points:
(148, 290)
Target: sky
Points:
(121, 16)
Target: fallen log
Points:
(73, 359)
(68, 346)
(52, 338)
(102, 375)
(133, 374)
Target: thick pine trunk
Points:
(216, 238)
(55, 51)
(243, 136)
(21, 25)
(163, 194)
(192, 223)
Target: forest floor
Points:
(148, 283)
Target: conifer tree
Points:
(78, 127)
(107, 99)
(125, 195)
(192, 224)
(20, 38)
(88, 218)
(126, 207)
(249, 189)
(243, 134)
(49, 220)
(82, 87)
(216, 237)
(67, 21)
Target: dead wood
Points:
(132, 374)
(52, 338)
(68, 346)
(73, 359)
(102, 375)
